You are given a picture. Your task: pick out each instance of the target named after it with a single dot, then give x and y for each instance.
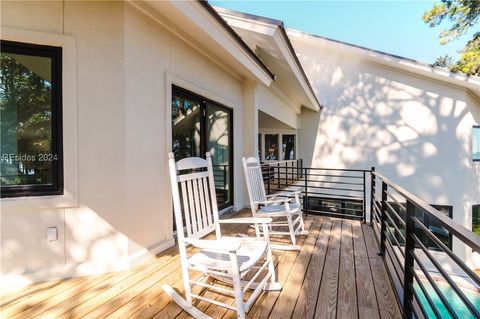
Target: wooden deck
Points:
(337, 274)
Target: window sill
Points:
(38, 202)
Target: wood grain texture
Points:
(327, 297)
(347, 288)
(307, 299)
(336, 274)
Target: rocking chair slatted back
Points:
(197, 189)
(254, 177)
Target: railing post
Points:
(364, 199)
(286, 173)
(409, 261)
(372, 192)
(305, 197)
(383, 225)
(278, 174)
(269, 178)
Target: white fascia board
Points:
(282, 45)
(204, 20)
(273, 31)
(471, 83)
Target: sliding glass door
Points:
(199, 126)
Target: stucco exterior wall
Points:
(414, 130)
(120, 209)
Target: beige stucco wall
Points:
(125, 65)
(414, 130)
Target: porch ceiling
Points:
(265, 121)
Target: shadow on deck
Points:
(337, 274)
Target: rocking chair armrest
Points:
(246, 220)
(221, 245)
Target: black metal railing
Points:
(325, 191)
(424, 287)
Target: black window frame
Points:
(474, 127)
(55, 54)
(203, 101)
(474, 208)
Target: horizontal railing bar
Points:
(396, 214)
(339, 208)
(330, 175)
(399, 272)
(334, 195)
(395, 226)
(333, 182)
(333, 199)
(454, 227)
(451, 283)
(435, 287)
(332, 213)
(427, 296)
(337, 169)
(447, 250)
(400, 205)
(417, 299)
(399, 247)
(337, 188)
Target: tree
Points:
(463, 15)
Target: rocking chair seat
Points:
(250, 251)
(270, 209)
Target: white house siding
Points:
(416, 131)
(125, 64)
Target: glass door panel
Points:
(186, 126)
(218, 134)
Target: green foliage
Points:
(463, 15)
(469, 62)
(25, 121)
(443, 61)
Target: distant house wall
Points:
(116, 136)
(416, 131)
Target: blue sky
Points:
(391, 26)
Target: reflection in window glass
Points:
(30, 161)
(476, 143)
(476, 219)
(439, 232)
(288, 147)
(185, 126)
(271, 147)
(218, 144)
(259, 146)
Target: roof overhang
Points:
(269, 40)
(199, 24)
(461, 80)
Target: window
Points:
(440, 232)
(476, 143)
(288, 147)
(271, 147)
(31, 159)
(476, 219)
(200, 125)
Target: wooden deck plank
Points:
(307, 300)
(387, 302)
(150, 302)
(337, 274)
(264, 304)
(347, 290)
(367, 300)
(327, 297)
(285, 304)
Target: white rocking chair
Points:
(283, 207)
(244, 263)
